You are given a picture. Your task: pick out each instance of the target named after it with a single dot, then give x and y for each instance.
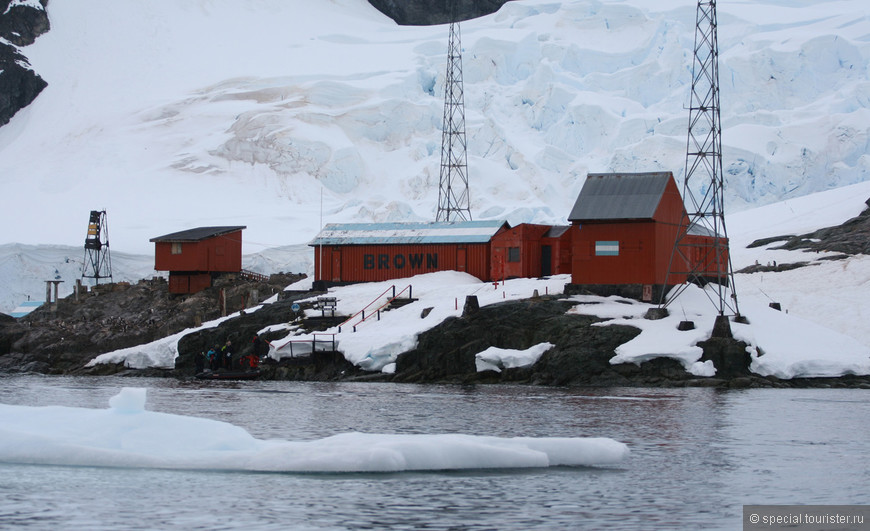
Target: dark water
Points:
(698, 455)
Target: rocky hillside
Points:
(121, 315)
(20, 24)
(116, 316)
(850, 238)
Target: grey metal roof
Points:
(611, 196)
(405, 233)
(197, 234)
(556, 231)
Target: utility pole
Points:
(703, 184)
(453, 200)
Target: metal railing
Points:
(251, 275)
(377, 311)
(306, 347)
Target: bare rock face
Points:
(430, 12)
(115, 316)
(19, 85)
(20, 25)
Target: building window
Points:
(176, 248)
(606, 248)
(513, 254)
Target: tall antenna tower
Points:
(453, 201)
(98, 262)
(706, 215)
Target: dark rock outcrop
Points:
(19, 85)
(581, 354)
(430, 12)
(112, 317)
(20, 25)
(728, 356)
(849, 238)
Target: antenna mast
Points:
(453, 201)
(98, 261)
(701, 263)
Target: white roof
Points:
(405, 233)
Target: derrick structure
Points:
(703, 184)
(98, 262)
(453, 199)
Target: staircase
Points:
(250, 275)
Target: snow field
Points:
(216, 113)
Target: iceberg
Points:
(127, 435)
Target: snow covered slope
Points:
(275, 113)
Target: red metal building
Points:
(193, 257)
(368, 252)
(626, 226)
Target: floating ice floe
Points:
(126, 435)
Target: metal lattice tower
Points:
(701, 263)
(453, 200)
(98, 262)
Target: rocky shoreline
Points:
(117, 316)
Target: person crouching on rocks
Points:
(249, 362)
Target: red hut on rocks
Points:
(194, 257)
(627, 224)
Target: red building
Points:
(368, 252)
(528, 251)
(194, 257)
(488, 250)
(626, 226)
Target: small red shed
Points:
(528, 251)
(194, 256)
(626, 227)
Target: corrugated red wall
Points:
(526, 239)
(645, 247)
(371, 263)
(703, 256)
(635, 262)
(218, 254)
(188, 283)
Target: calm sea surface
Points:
(698, 455)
